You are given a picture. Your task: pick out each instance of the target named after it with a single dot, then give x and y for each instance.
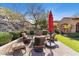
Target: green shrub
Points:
(5, 37)
(45, 32)
(73, 35)
(15, 34)
(57, 31)
(31, 32)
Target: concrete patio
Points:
(61, 50)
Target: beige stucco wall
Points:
(71, 22)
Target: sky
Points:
(59, 10)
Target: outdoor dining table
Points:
(50, 44)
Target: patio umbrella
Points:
(50, 28)
(50, 22)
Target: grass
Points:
(72, 43)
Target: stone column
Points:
(73, 27)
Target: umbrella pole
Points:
(50, 39)
(51, 53)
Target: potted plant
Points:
(38, 45)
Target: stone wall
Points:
(7, 48)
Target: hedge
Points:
(15, 34)
(73, 35)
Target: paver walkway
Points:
(62, 50)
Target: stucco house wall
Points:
(70, 21)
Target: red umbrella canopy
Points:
(50, 22)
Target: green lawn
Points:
(72, 43)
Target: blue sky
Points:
(59, 10)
